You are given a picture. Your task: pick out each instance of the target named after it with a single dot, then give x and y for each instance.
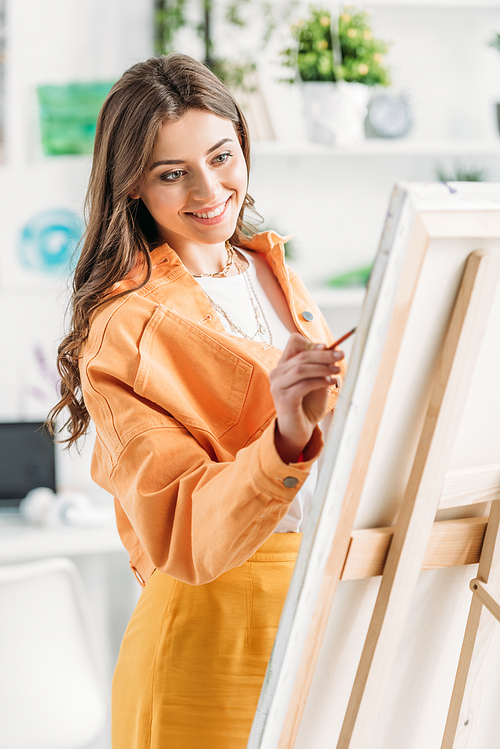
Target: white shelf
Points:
(369, 147)
(380, 147)
(438, 4)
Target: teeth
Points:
(211, 214)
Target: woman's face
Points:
(196, 181)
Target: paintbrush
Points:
(342, 339)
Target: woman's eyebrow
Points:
(219, 144)
(165, 162)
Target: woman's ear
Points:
(134, 194)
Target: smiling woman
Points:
(203, 362)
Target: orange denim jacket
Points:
(185, 420)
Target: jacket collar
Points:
(268, 243)
(167, 264)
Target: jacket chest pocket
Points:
(187, 373)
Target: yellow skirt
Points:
(193, 658)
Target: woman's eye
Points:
(172, 176)
(222, 157)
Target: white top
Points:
(239, 299)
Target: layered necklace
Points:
(263, 327)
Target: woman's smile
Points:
(211, 215)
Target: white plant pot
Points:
(335, 112)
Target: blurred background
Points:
(342, 102)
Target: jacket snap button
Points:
(308, 316)
(290, 482)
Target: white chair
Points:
(52, 688)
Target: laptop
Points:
(27, 461)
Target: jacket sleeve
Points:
(197, 518)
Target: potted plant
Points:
(338, 62)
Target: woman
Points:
(202, 362)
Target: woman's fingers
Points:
(299, 387)
(305, 364)
(296, 393)
(314, 352)
(296, 344)
(306, 371)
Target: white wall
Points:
(441, 58)
(55, 41)
(59, 41)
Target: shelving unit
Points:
(335, 198)
(380, 147)
(451, 4)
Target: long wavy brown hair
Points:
(119, 227)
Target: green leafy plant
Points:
(460, 173)
(495, 42)
(172, 15)
(169, 17)
(346, 52)
(353, 278)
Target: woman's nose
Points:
(206, 186)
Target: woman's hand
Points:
(299, 386)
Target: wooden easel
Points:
(413, 530)
(421, 502)
(480, 632)
(416, 541)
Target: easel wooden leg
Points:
(479, 636)
(419, 506)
